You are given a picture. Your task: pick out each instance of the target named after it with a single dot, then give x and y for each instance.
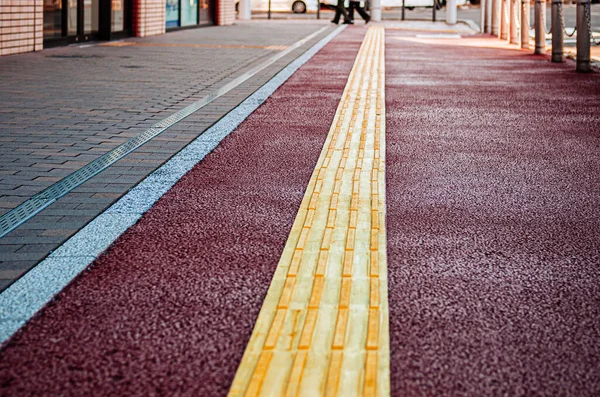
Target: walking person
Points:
(355, 4)
(341, 10)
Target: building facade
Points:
(31, 25)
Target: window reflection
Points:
(91, 16)
(172, 13)
(118, 18)
(189, 12)
(52, 19)
(204, 12)
(72, 19)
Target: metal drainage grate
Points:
(37, 203)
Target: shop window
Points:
(189, 12)
(52, 19)
(117, 20)
(172, 13)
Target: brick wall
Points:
(226, 12)
(148, 17)
(21, 26)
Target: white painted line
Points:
(23, 299)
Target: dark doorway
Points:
(76, 21)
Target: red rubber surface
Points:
(493, 160)
(168, 310)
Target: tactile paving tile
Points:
(323, 328)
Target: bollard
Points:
(488, 15)
(525, 24)
(557, 32)
(495, 19)
(244, 13)
(513, 28)
(503, 22)
(482, 12)
(583, 36)
(376, 10)
(540, 26)
(451, 12)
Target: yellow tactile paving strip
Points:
(323, 328)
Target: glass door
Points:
(205, 12)
(172, 13)
(73, 21)
(53, 19)
(189, 12)
(83, 20)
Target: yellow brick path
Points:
(323, 328)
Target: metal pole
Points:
(451, 12)
(434, 12)
(318, 9)
(376, 10)
(583, 36)
(495, 19)
(482, 11)
(525, 11)
(557, 32)
(503, 22)
(269, 9)
(513, 27)
(403, 14)
(540, 26)
(488, 15)
(244, 13)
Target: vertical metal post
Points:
(376, 10)
(540, 26)
(451, 12)
(318, 9)
(557, 32)
(488, 15)
(404, 8)
(482, 11)
(503, 4)
(583, 36)
(269, 9)
(513, 27)
(495, 18)
(244, 12)
(433, 13)
(525, 10)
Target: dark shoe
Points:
(348, 22)
(336, 22)
(367, 20)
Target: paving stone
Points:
(49, 130)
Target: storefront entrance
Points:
(185, 13)
(74, 21)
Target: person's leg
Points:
(362, 12)
(343, 11)
(351, 10)
(336, 18)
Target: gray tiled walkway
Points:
(62, 108)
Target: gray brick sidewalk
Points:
(64, 107)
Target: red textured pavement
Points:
(493, 239)
(493, 222)
(168, 310)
